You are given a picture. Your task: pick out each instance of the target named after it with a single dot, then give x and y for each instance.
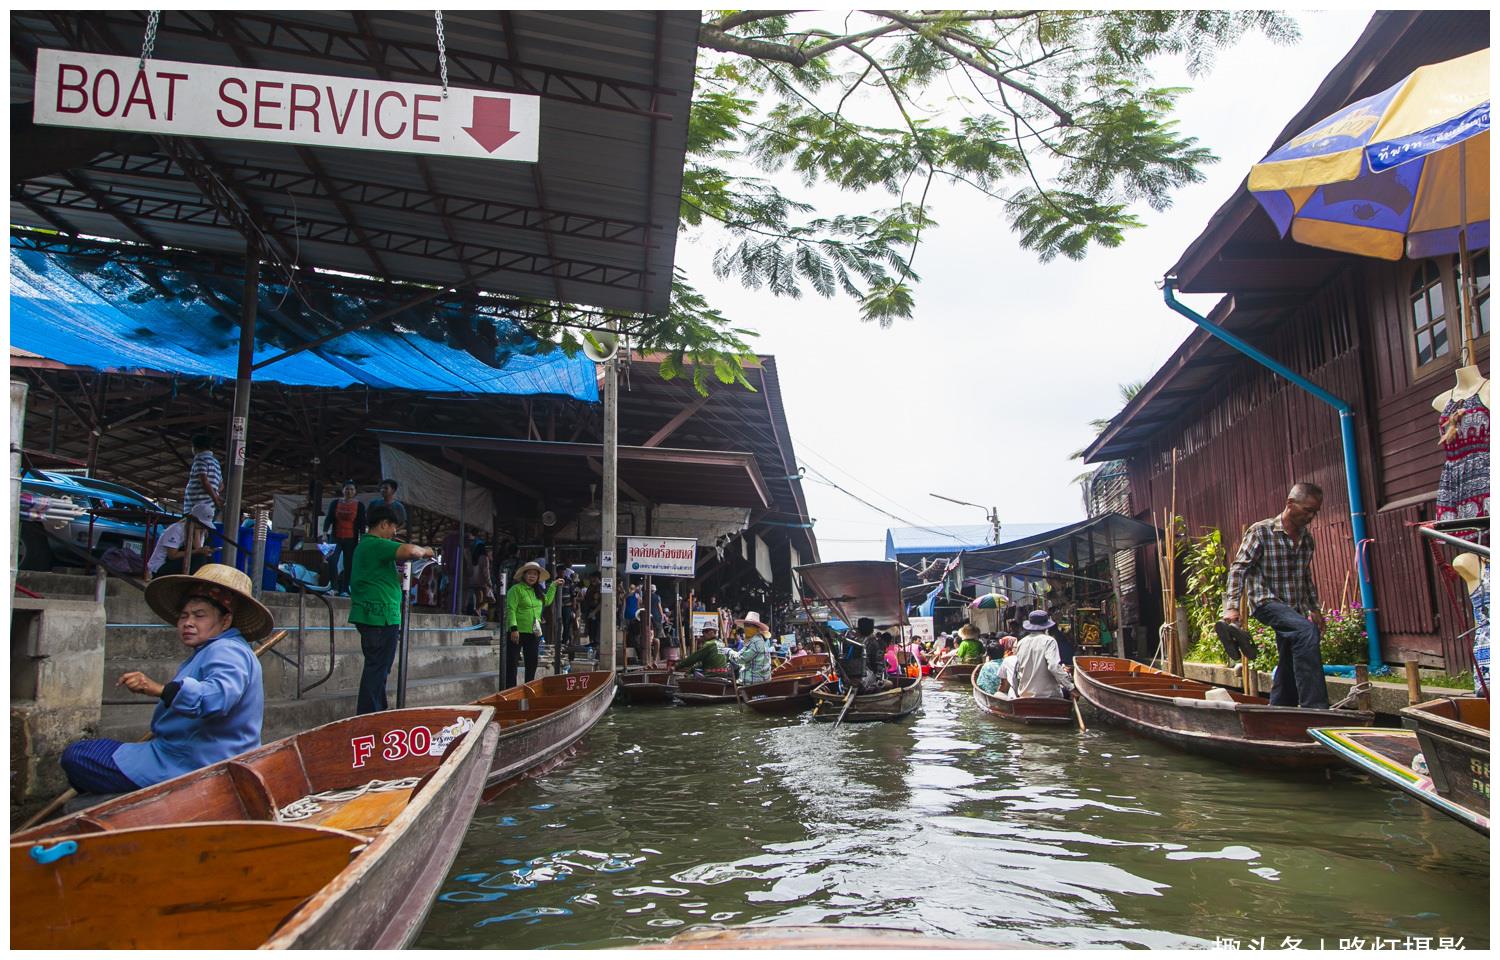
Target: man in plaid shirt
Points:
(1274, 570)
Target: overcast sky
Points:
(985, 393)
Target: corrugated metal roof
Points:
(960, 536)
(616, 89)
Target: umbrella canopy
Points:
(990, 601)
(1398, 173)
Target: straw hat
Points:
(752, 619)
(968, 632)
(542, 575)
(222, 584)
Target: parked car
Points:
(55, 511)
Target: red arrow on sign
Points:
(491, 127)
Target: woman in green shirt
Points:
(524, 603)
(970, 650)
(375, 602)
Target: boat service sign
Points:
(238, 103)
(661, 556)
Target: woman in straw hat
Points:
(524, 603)
(755, 655)
(211, 709)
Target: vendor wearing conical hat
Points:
(970, 650)
(210, 710)
(755, 655)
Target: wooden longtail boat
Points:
(803, 663)
(957, 673)
(209, 861)
(854, 589)
(705, 691)
(1455, 736)
(645, 686)
(790, 693)
(1027, 710)
(541, 719)
(1387, 755)
(893, 704)
(1242, 728)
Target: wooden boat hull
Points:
(779, 696)
(705, 691)
(1032, 711)
(1172, 709)
(540, 720)
(645, 686)
(956, 673)
(1454, 733)
(1386, 755)
(893, 704)
(803, 663)
(360, 874)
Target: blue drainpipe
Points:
(1351, 459)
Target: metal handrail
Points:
(291, 582)
(1481, 524)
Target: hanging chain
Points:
(153, 18)
(442, 51)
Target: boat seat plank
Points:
(367, 813)
(185, 886)
(207, 795)
(255, 795)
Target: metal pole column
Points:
(610, 588)
(238, 433)
(458, 565)
(405, 635)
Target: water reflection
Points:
(950, 823)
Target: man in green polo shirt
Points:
(375, 601)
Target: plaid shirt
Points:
(1269, 566)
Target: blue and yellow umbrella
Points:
(1403, 172)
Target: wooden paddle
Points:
(1078, 712)
(70, 793)
(853, 690)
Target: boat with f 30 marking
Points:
(337, 837)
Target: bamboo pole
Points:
(1413, 683)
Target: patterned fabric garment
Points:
(1464, 487)
(1271, 567)
(1481, 600)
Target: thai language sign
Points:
(661, 556)
(238, 103)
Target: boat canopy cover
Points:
(108, 318)
(856, 588)
(1097, 536)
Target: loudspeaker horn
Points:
(600, 345)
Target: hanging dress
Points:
(1481, 600)
(1464, 487)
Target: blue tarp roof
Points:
(959, 536)
(112, 320)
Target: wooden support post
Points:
(1413, 682)
(1362, 677)
(234, 470)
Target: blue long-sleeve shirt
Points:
(214, 714)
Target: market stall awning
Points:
(593, 221)
(856, 588)
(112, 320)
(566, 472)
(1097, 537)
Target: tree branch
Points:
(939, 40)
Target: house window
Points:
(1481, 262)
(1428, 319)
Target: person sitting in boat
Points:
(211, 709)
(709, 660)
(988, 677)
(755, 655)
(1036, 670)
(969, 649)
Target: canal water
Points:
(954, 824)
